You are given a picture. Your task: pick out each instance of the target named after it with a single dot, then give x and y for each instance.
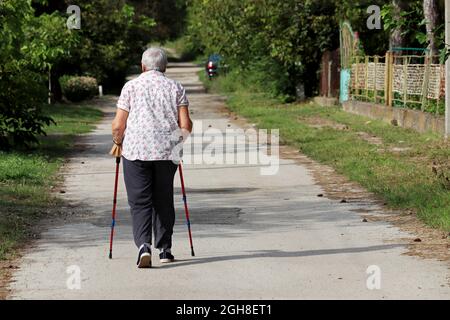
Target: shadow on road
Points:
(281, 254)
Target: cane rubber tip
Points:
(192, 253)
(110, 255)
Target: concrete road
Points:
(255, 236)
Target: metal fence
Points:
(411, 81)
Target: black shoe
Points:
(166, 257)
(144, 258)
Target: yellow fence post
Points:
(366, 67)
(386, 79)
(405, 81)
(389, 76)
(375, 89)
(426, 80)
(357, 76)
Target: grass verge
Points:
(26, 178)
(407, 169)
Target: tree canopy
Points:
(36, 44)
(287, 38)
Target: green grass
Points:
(26, 178)
(405, 180)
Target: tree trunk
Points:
(397, 39)
(431, 15)
(49, 85)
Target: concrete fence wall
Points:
(407, 118)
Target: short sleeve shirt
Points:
(152, 101)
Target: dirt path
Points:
(255, 236)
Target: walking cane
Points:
(186, 210)
(115, 152)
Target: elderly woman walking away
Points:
(150, 109)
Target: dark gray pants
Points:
(149, 187)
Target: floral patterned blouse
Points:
(152, 101)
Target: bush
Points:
(76, 88)
(21, 117)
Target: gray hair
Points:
(154, 59)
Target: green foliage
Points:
(35, 43)
(48, 40)
(112, 37)
(77, 88)
(168, 17)
(286, 39)
(283, 39)
(21, 119)
(411, 21)
(21, 87)
(355, 12)
(183, 49)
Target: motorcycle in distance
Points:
(212, 66)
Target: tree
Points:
(21, 87)
(111, 36)
(278, 42)
(169, 17)
(431, 15)
(283, 41)
(114, 33)
(417, 24)
(48, 42)
(397, 38)
(374, 42)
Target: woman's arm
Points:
(184, 120)
(119, 125)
